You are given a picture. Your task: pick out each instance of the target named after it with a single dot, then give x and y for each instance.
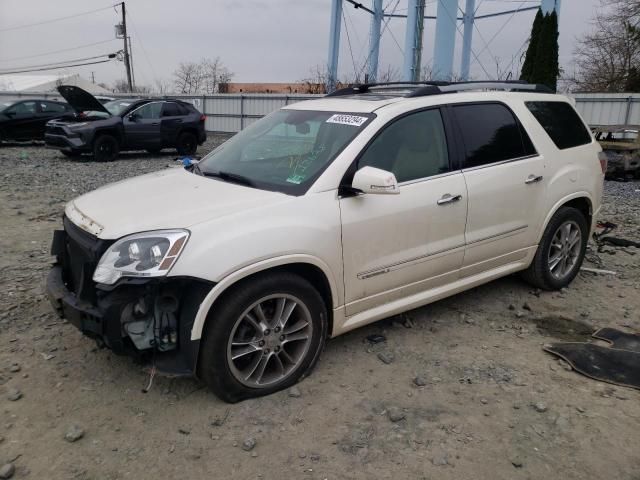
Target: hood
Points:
(81, 100)
(172, 198)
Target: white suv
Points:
(325, 216)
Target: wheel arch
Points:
(580, 200)
(311, 268)
(114, 132)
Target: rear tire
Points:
(252, 347)
(187, 144)
(560, 252)
(105, 148)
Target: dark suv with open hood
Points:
(124, 124)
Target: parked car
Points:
(125, 124)
(25, 119)
(622, 146)
(325, 216)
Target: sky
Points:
(258, 40)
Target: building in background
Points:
(24, 83)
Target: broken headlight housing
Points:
(149, 254)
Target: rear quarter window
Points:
(561, 122)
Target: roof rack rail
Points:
(360, 88)
(421, 89)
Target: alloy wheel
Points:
(269, 340)
(564, 250)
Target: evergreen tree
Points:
(546, 69)
(532, 49)
(541, 62)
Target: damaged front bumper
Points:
(150, 319)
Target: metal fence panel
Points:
(233, 112)
(609, 108)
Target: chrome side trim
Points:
(395, 266)
(495, 164)
(508, 232)
(431, 177)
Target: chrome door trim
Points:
(404, 263)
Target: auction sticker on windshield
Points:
(354, 120)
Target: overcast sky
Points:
(259, 40)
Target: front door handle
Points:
(447, 198)
(155, 124)
(533, 179)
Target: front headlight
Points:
(149, 254)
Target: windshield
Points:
(116, 107)
(285, 151)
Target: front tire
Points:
(263, 336)
(105, 148)
(560, 252)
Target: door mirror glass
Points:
(134, 117)
(376, 181)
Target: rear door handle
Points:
(447, 198)
(533, 179)
(155, 124)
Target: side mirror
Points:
(376, 181)
(133, 117)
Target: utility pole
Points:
(127, 64)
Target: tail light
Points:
(203, 117)
(602, 156)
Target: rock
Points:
(420, 381)
(315, 457)
(395, 414)
(7, 471)
(512, 306)
(526, 306)
(540, 407)
(14, 368)
(517, 462)
(581, 409)
(376, 338)
(249, 444)
(440, 460)
(386, 357)
(484, 401)
(519, 314)
(254, 454)
(14, 395)
(294, 392)
(74, 433)
(184, 431)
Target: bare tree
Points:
(609, 55)
(163, 86)
(317, 80)
(204, 77)
(389, 74)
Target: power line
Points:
(110, 55)
(58, 51)
(26, 25)
(139, 40)
(56, 68)
(346, 29)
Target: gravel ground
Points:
(460, 389)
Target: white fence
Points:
(233, 112)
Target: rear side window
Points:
(561, 122)
(491, 133)
(171, 109)
(50, 107)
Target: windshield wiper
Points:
(228, 177)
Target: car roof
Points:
(369, 98)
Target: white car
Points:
(325, 216)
